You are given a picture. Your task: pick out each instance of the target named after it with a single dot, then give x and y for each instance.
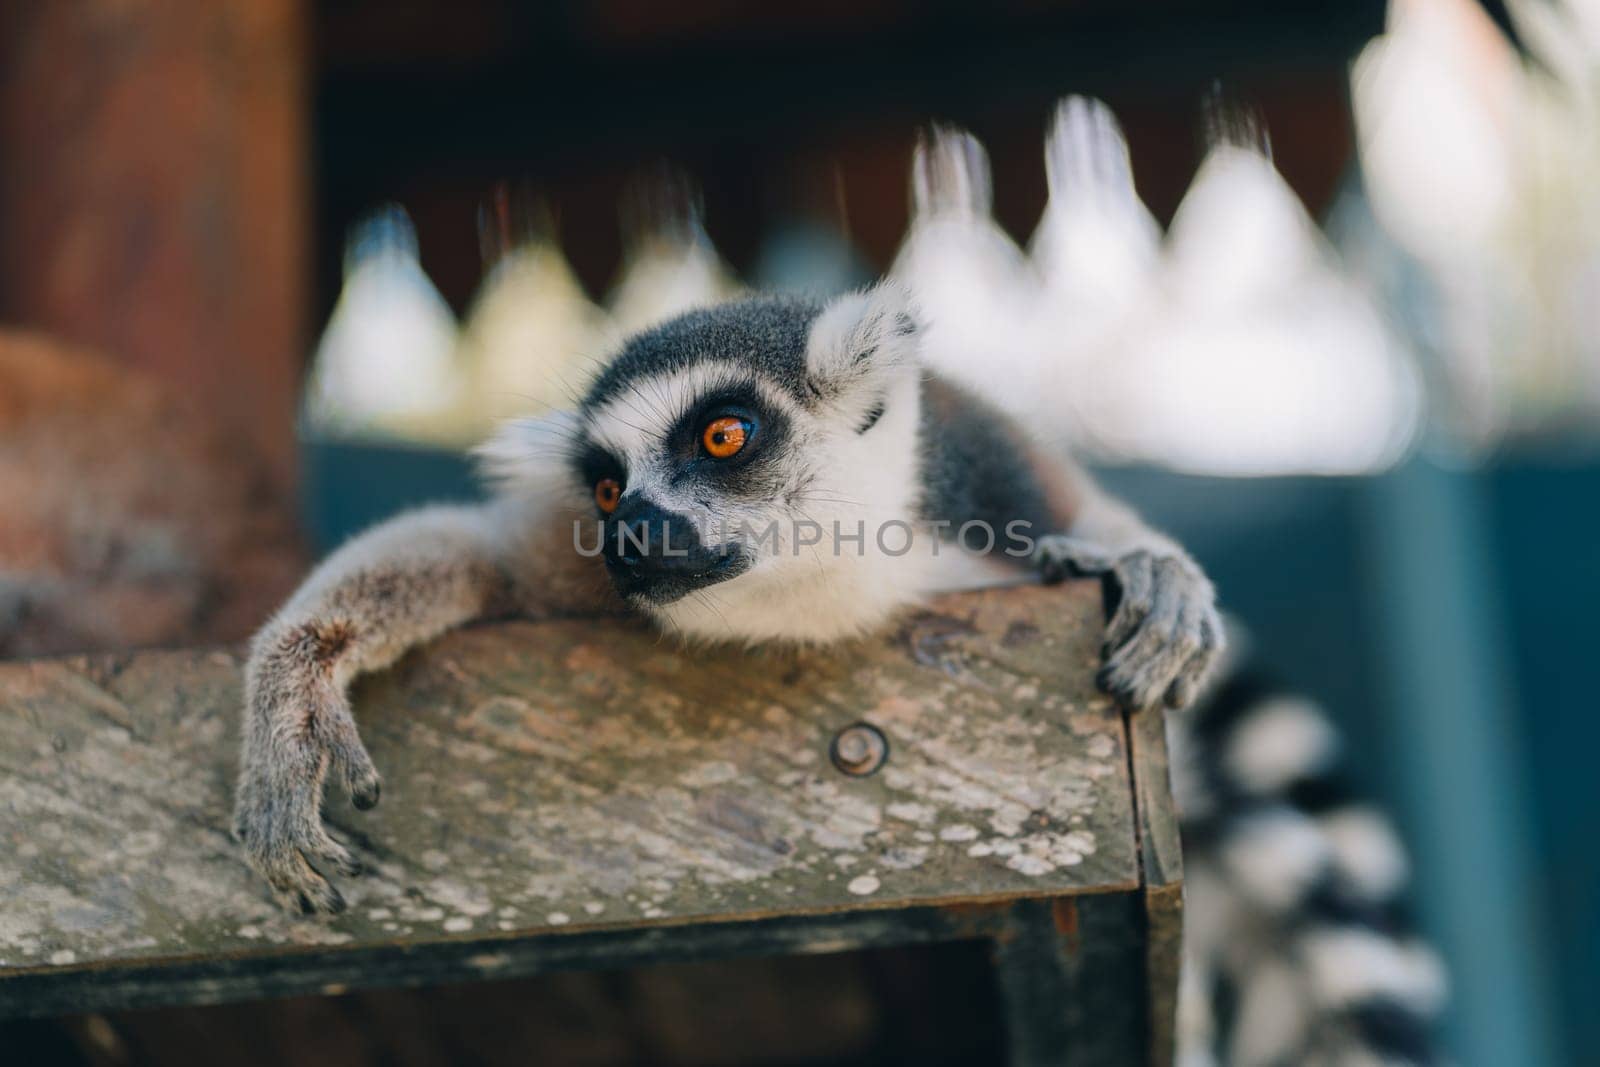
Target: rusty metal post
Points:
(153, 195)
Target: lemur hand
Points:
(298, 726)
(1164, 633)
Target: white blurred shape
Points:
(1347, 965)
(1483, 169)
(1565, 37)
(975, 292)
(1434, 103)
(1237, 349)
(670, 265)
(1274, 857)
(1258, 357)
(1366, 851)
(1586, 14)
(1273, 1018)
(1097, 247)
(383, 366)
(1097, 250)
(532, 336)
(1240, 236)
(1282, 740)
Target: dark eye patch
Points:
(593, 463)
(749, 473)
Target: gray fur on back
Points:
(976, 464)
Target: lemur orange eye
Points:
(607, 491)
(724, 437)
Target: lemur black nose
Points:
(657, 555)
(645, 533)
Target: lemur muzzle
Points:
(657, 555)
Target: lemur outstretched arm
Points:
(1164, 633)
(393, 587)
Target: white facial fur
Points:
(831, 473)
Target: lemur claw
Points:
(1164, 633)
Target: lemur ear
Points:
(529, 455)
(858, 343)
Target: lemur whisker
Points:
(662, 397)
(705, 598)
(527, 398)
(574, 395)
(819, 498)
(815, 555)
(649, 410)
(630, 425)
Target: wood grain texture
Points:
(568, 793)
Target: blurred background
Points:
(1340, 334)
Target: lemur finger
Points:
(360, 777)
(318, 896)
(1144, 666)
(1135, 580)
(1198, 667)
(279, 819)
(297, 886)
(1138, 683)
(324, 847)
(1182, 647)
(1147, 614)
(1134, 689)
(1186, 683)
(365, 791)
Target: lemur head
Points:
(714, 447)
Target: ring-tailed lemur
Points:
(769, 470)
(741, 464)
(786, 419)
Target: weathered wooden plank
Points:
(1161, 861)
(567, 777)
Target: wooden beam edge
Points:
(1161, 870)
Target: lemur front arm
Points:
(1164, 633)
(391, 588)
